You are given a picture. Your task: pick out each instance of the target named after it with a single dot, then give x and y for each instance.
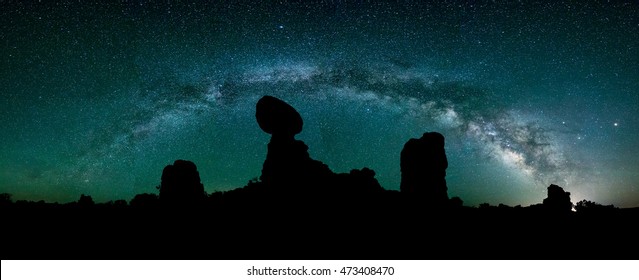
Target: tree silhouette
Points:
(587, 207)
(85, 201)
(5, 199)
(145, 200)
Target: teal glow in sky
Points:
(98, 98)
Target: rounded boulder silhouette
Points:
(275, 116)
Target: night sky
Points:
(98, 98)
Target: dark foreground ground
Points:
(370, 229)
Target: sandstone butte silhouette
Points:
(423, 165)
(181, 186)
(558, 200)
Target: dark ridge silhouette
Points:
(558, 200)
(300, 209)
(181, 186)
(423, 164)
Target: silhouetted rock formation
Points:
(363, 180)
(558, 200)
(456, 202)
(277, 117)
(181, 185)
(288, 165)
(423, 164)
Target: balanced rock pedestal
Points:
(288, 164)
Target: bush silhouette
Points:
(145, 200)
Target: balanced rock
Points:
(287, 162)
(275, 116)
(288, 166)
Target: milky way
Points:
(100, 97)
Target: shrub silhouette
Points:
(590, 207)
(85, 201)
(145, 201)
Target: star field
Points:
(98, 97)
